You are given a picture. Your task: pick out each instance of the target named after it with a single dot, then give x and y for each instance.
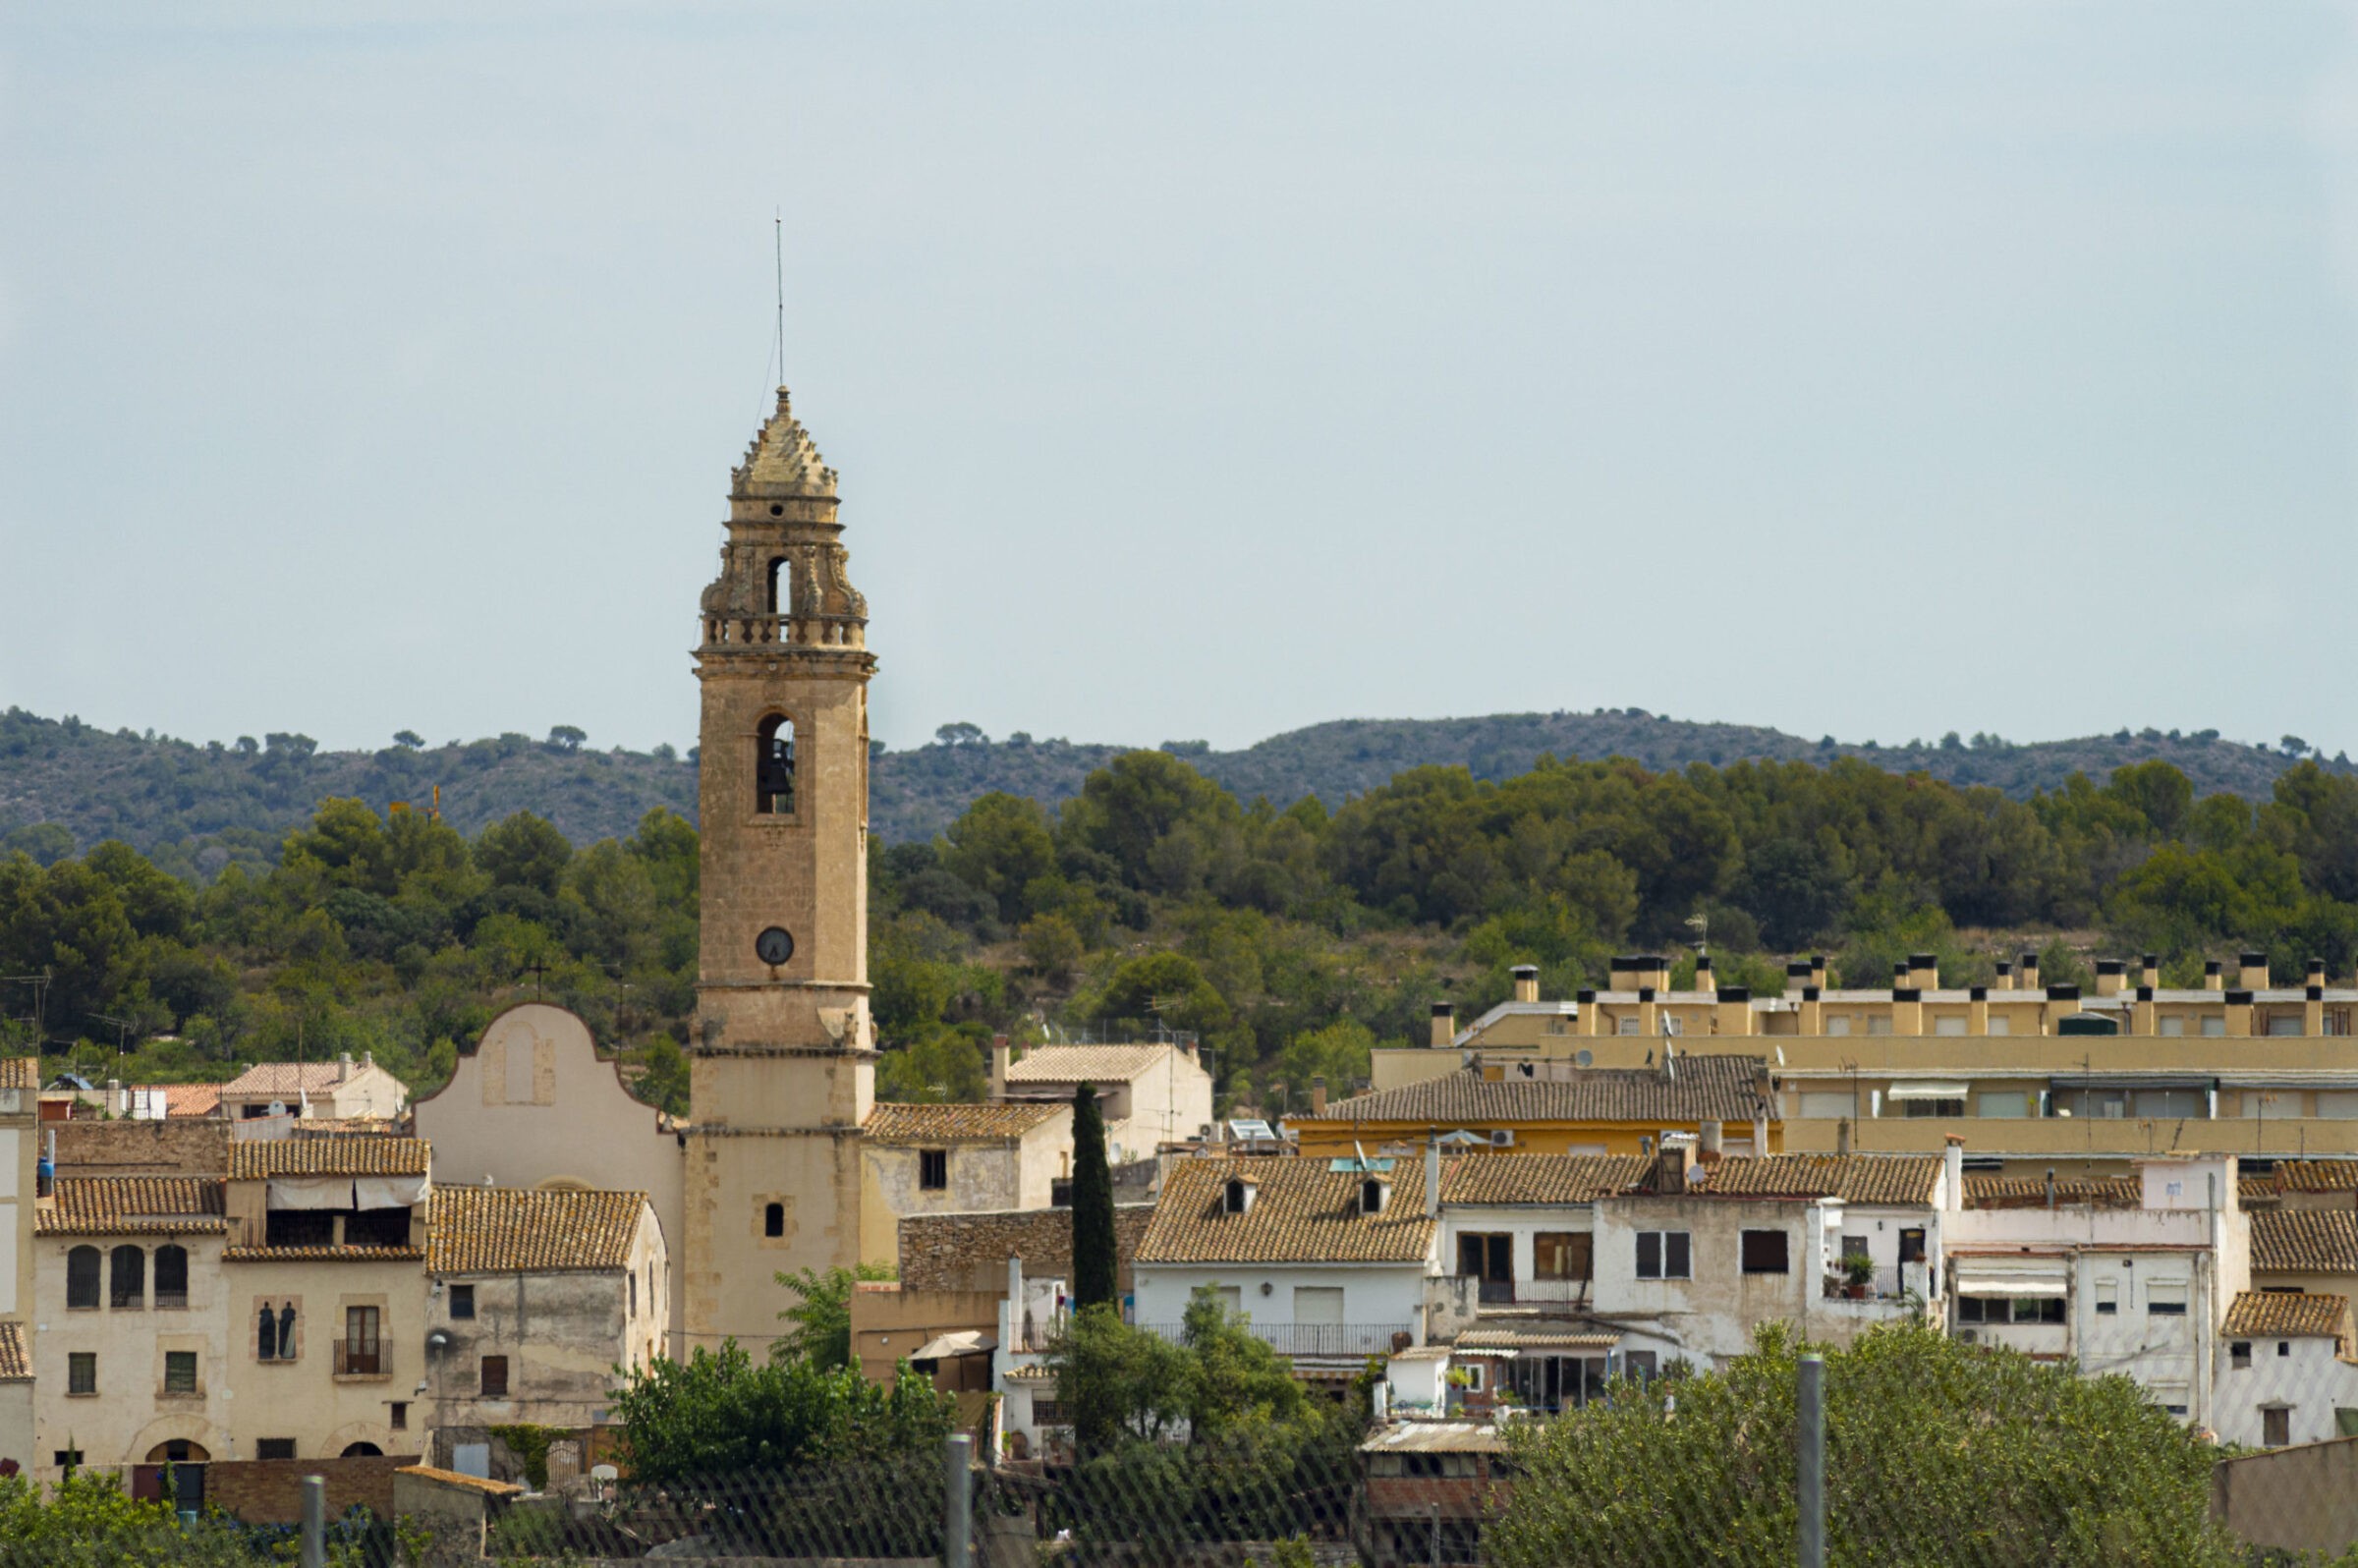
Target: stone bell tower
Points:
(782, 1071)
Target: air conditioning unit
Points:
(1502, 1137)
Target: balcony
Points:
(1535, 1292)
(1336, 1340)
(362, 1361)
(1889, 1283)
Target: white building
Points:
(342, 1089)
(2284, 1372)
(1149, 1095)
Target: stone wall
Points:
(269, 1492)
(969, 1252)
(190, 1146)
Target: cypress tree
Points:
(1093, 1275)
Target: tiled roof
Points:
(344, 1155)
(1301, 1212)
(508, 1230)
(1537, 1340)
(190, 1099)
(2305, 1241)
(1693, 1088)
(1515, 1179)
(2317, 1175)
(2254, 1312)
(110, 1205)
(277, 1079)
(1086, 1064)
(929, 1124)
(16, 1366)
(19, 1072)
(1995, 1190)
(1853, 1178)
(323, 1255)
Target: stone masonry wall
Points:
(190, 1146)
(969, 1252)
(269, 1492)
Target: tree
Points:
(822, 1313)
(523, 851)
(1094, 1277)
(664, 1083)
(1936, 1453)
(567, 737)
(719, 1414)
(409, 739)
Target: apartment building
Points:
(1557, 1107)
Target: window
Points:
(2283, 1347)
(2284, 1023)
(1931, 1107)
(2275, 1426)
(633, 1295)
(1232, 1299)
(495, 1377)
(81, 1277)
(2010, 1309)
(274, 1449)
(377, 1227)
(1839, 1023)
(359, 1356)
(2005, 1102)
(180, 1371)
(1828, 1104)
(2038, 1309)
(171, 1276)
(1854, 1247)
(2108, 1297)
(932, 1170)
(1371, 1196)
(2239, 1355)
(1319, 1305)
(265, 1335)
(773, 766)
(773, 1220)
(1625, 1025)
(1764, 1252)
(1642, 1365)
(2001, 1025)
(81, 1373)
(2213, 1026)
(66, 1458)
(1473, 1372)
(398, 1417)
(286, 1333)
(462, 1297)
(298, 1227)
(1911, 1243)
(1662, 1254)
(1950, 1025)
(362, 1451)
(2165, 1298)
(1237, 1197)
(127, 1278)
(781, 587)
(1562, 1255)
(2174, 1025)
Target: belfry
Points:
(783, 1064)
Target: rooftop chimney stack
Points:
(1527, 983)
(1001, 1058)
(343, 1068)
(1818, 969)
(1923, 972)
(1318, 1095)
(2317, 973)
(2148, 970)
(2253, 967)
(1704, 983)
(1797, 976)
(1444, 1025)
(2214, 976)
(2111, 973)
(1432, 1177)
(2005, 976)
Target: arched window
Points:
(81, 1277)
(362, 1451)
(286, 1333)
(781, 587)
(171, 1275)
(127, 1278)
(773, 1220)
(265, 1335)
(773, 765)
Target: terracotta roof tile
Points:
(337, 1155)
(1086, 1064)
(2254, 1312)
(112, 1205)
(191, 1099)
(1300, 1213)
(2317, 1175)
(1694, 1089)
(932, 1124)
(16, 1366)
(1536, 1179)
(323, 1255)
(276, 1079)
(2305, 1241)
(19, 1072)
(1536, 1338)
(1853, 1178)
(515, 1230)
(1996, 1190)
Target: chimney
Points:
(1797, 976)
(1976, 1010)
(2213, 979)
(1001, 1058)
(2239, 1014)
(1015, 1304)
(1432, 1177)
(1952, 1170)
(2313, 1010)
(2142, 1013)
(1705, 982)
(2148, 970)
(1672, 1163)
(1760, 1134)
(2062, 1003)
(1899, 974)
(1813, 1012)
(1923, 972)
(2111, 975)
(367, 1059)
(1907, 1010)
(343, 1068)
(2317, 972)
(1708, 1151)
(2005, 976)
(2254, 968)
(1649, 1011)
(118, 1104)
(1588, 1020)
(1735, 1010)
(1318, 1095)
(1444, 1025)
(1623, 973)
(1818, 969)
(2028, 968)
(1527, 983)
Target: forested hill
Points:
(195, 807)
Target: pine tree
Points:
(1093, 1276)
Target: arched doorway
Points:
(362, 1451)
(177, 1463)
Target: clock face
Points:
(774, 946)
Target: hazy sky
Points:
(1192, 371)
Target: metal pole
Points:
(1433, 1542)
(1811, 1442)
(314, 1522)
(957, 1501)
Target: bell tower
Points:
(782, 1071)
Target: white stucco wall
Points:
(1386, 1296)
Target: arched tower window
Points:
(773, 1220)
(781, 587)
(171, 1275)
(773, 765)
(128, 1281)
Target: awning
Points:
(965, 1342)
(1924, 1090)
(388, 1192)
(2010, 1285)
(310, 1192)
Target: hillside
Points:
(195, 807)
